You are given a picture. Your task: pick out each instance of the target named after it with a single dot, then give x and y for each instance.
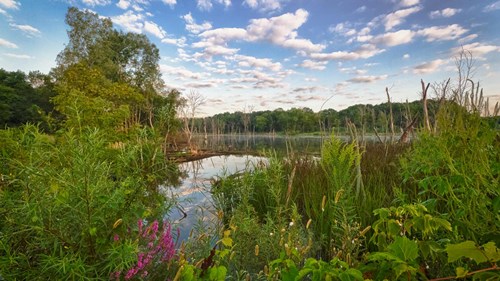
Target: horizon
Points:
(270, 54)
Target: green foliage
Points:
(312, 269)
(468, 249)
(88, 99)
(456, 170)
(63, 197)
(22, 100)
(400, 257)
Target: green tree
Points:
(121, 58)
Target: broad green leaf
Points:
(188, 273)
(404, 249)
(350, 275)
(466, 249)
(461, 272)
(218, 273)
(226, 241)
(491, 251)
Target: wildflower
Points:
(131, 273)
(116, 237)
(139, 224)
(291, 223)
(271, 234)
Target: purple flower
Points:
(139, 224)
(116, 237)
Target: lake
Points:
(195, 201)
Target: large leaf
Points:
(466, 249)
(404, 249)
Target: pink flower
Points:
(139, 224)
(116, 237)
(131, 273)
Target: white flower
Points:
(291, 223)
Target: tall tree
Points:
(123, 58)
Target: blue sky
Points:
(268, 54)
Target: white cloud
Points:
(492, 7)
(181, 72)
(366, 51)
(406, 56)
(467, 38)
(226, 3)
(428, 67)
(343, 28)
(16, 56)
(171, 3)
(439, 33)
(280, 30)
(154, 29)
(10, 4)
(130, 21)
(249, 61)
(204, 5)
(407, 3)
(263, 5)
(8, 44)
(180, 42)
(394, 38)
(27, 29)
(445, 13)
(222, 35)
(360, 9)
(314, 65)
(123, 4)
(216, 50)
(367, 79)
(396, 18)
(193, 27)
(477, 49)
(93, 3)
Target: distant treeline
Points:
(27, 98)
(369, 118)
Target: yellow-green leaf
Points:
(461, 272)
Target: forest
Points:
(83, 171)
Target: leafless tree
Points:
(190, 105)
(247, 111)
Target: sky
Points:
(252, 55)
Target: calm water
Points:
(194, 190)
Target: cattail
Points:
(117, 223)
(338, 195)
(308, 223)
(364, 231)
(256, 250)
(323, 203)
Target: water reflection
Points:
(252, 143)
(195, 202)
